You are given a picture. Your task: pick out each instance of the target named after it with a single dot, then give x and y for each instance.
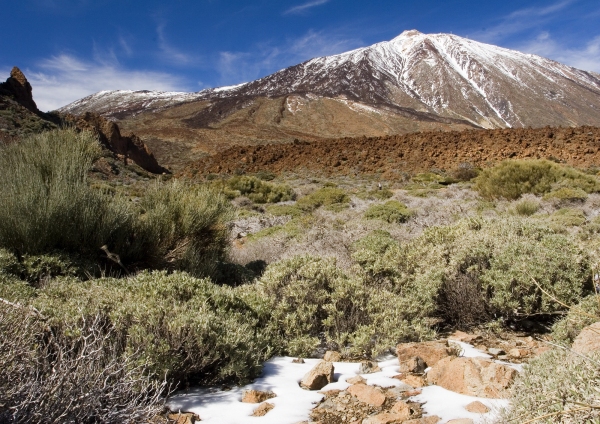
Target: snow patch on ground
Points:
(294, 404)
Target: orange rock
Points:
(430, 352)
(317, 378)
(472, 376)
(263, 409)
(414, 380)
(434, 419)
(402, 409)
(256, 396)
(332, 356)
(588, 340)
(356, 380)
(477, 408)
(367, 394)
(183, 417)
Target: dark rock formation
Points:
(129, 146)
(17, 87)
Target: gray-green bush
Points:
(45, 200)
(184, 327)
(513, 178)
(391, 211)
(47, 207)
(553, 384)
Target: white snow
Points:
(294, 404)
(450, 405)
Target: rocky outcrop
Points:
(130, 147)
(18, 88)
(412, 355)
(472, 376)
(588, 340)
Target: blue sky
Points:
(71, 48)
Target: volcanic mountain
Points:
(414, 82)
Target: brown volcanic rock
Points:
(130, 146)
(472, 376)
(394, 156)
(19, 89)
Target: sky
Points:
(69, 49)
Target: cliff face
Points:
(17, 87)
(129, 146)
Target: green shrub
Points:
(552, 384)
(579, 316)
(391, 211)
(382, 194)
(283, 210)
(258, 190)
(474, 270)
(186, 328)
(314, 303)
(513, 178)
(181, 227)
(567, 217)
(567, 194)
(331, 198)
(527, 207)
(45, 201)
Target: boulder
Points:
(430, 352)
(588, 340)
(414, 365)
(368, 394)
(257, 396)
(472, 376)
(332, 356)
(477, 408)
(318, 377)
(496, 351)
(262, 409)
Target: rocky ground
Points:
(460, 379)
(395, 157)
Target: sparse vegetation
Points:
(391, 211)
(328, 271)
(332, 198)
(511, 179)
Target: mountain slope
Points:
(414, 82)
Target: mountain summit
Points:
(414, 82)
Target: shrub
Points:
(477, 265)
(555, 387)
(567, 217)
(283, 210)
(257, 190)
(332, 198)
(513, 178)
(314, 303)
(567, 194)
(80, 375)
(579, 316)
(45, 201)
(527, 207)
(391, 211)
(181, 227)
(187, 328)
